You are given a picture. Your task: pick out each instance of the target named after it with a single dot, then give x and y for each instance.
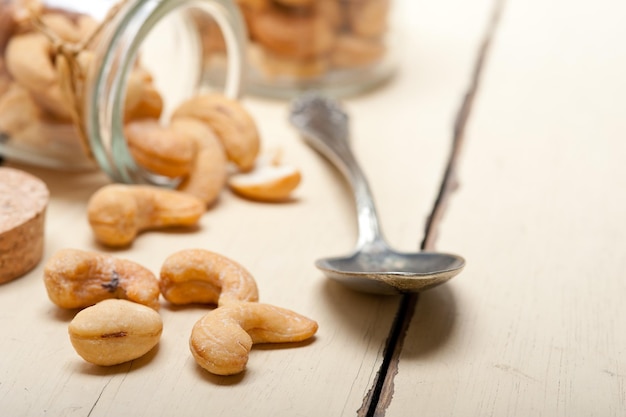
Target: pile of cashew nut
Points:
(206, 134)
(210, 142)
(34, 113)
(119, 302)
(305, 39)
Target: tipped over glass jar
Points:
(341, 47)
(74, 72)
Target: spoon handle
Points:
(324, 126)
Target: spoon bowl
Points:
(391, 272)
(373, 267)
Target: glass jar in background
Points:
(341, 47)
(73, 72)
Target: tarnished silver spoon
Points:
(374, 266)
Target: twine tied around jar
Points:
(71, 74)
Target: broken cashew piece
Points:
(201, 276)
(232, 123)
(117, 212)
(268, 181)
(115, 331)
(209, 169)
(221, 340)
(78, 279)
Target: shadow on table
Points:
(359, 313)
(432, 324)
(85, 368)
(431, 327)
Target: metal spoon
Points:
(374, 266)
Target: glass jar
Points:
(73, 72)
(341, 47)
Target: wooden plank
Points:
(400, 136)
(534, 326)
(41, 372)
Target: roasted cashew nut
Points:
(143, 100)
(292, 35)
(369, 19)
(253, 4)
(232, 123)
(159, 149)
(78, 279)
(5, 78)
(29, 61)
(221, 340)
(115, 331)
(201, 276)
(17, 110)
(208, 173)
(62, 26)
(117, 212)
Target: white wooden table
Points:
(535, 324)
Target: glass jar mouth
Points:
(105, 94)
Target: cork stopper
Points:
(23, 202)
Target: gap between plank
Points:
(379, 397)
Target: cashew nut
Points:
(209, 170)
(353, 51)
(332, 10)
(54, 102)
(86, 25)
(29, 61)
(296, 3)
(78, 279)
(369, 18)
(7, 24)
(221, 340)
(5, 79)
(268, 181)
(293, 35)
(62, 26)
(254, 5)
(17, 110)
(22, 9)
(200, 276)
(232, 123)
(159, 149)
(13, 15)
(117, 212)
(115, 331)
(143, 101)
(59, 139)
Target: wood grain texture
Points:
(379, 399)
(535, 325)
(41, 372)
(278, 243)
(402, 155)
